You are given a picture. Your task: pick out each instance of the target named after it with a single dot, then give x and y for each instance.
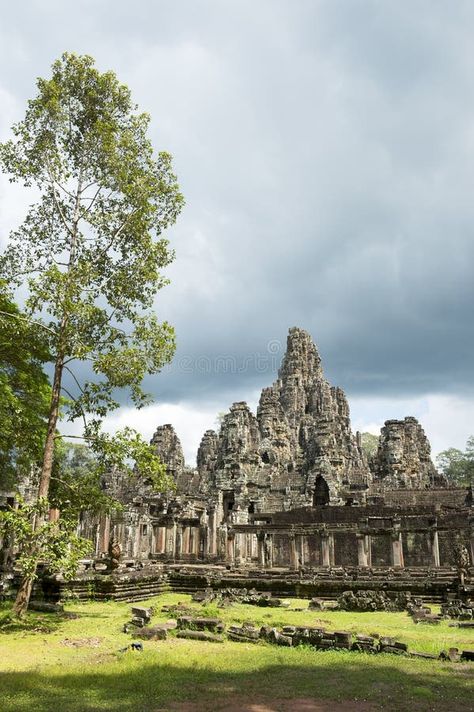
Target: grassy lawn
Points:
(75, 664)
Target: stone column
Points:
(332, 557)
(185, 540)
(104, 533)
(163, 539)
(325, 550)
(397, 549)
(301, 549)
(237, 548)
(137, 540)
(434, 547)
(230, 552)
(212, 532)
(269, 550)
(261, 549)
(179, 541)
(293, 552)
(472, 542)
(203, 543)
(368, 548)
(170, 539)
(248, 547)
(361, 551)
(254, 546)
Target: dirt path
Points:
(238, 704)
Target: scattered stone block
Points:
(401, 646)
(215, 625)
(170, 625)
(155, 632)
(244, 634)
(272, 603)
(200, 635)
(145, 613)
(265, 632)
(342, 639)
(369, 639)
(316, 604)
(452, 654)
(392, 649)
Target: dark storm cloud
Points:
(326, 152)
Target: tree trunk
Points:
(48, 455)
(24, 592)
(23, 597)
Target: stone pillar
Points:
(261, 549)
(397, 549)
(137, 540)
(301, 549)
(434, 547)
(332, 557)
(361, 551)
(238, 548)
(254, 546)
(212, 533)
(472, 542)
(159, 539)
(269, 550)
(368, 548)
(179, 541)
(104, 533)
(170, 539)
(203, 542)
(325, 550)
(293, 552)
(248, 547)
(230, 552)
(185, 540)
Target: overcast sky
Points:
(325, 149)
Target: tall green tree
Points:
(91, 249)
(25, 392)
(370, 444)
(458, 465)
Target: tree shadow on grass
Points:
(32, 623)
(142, 685)
(39, 622)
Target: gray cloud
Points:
(326, 152)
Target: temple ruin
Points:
(287, 499)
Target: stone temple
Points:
(287, 499)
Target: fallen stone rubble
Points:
(322, 639)
(372, 601)
(210, 629)
(227, 596)
(215, 625)
(463, 611)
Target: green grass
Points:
(41, 673)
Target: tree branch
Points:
(69, 394)
(30, 321)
